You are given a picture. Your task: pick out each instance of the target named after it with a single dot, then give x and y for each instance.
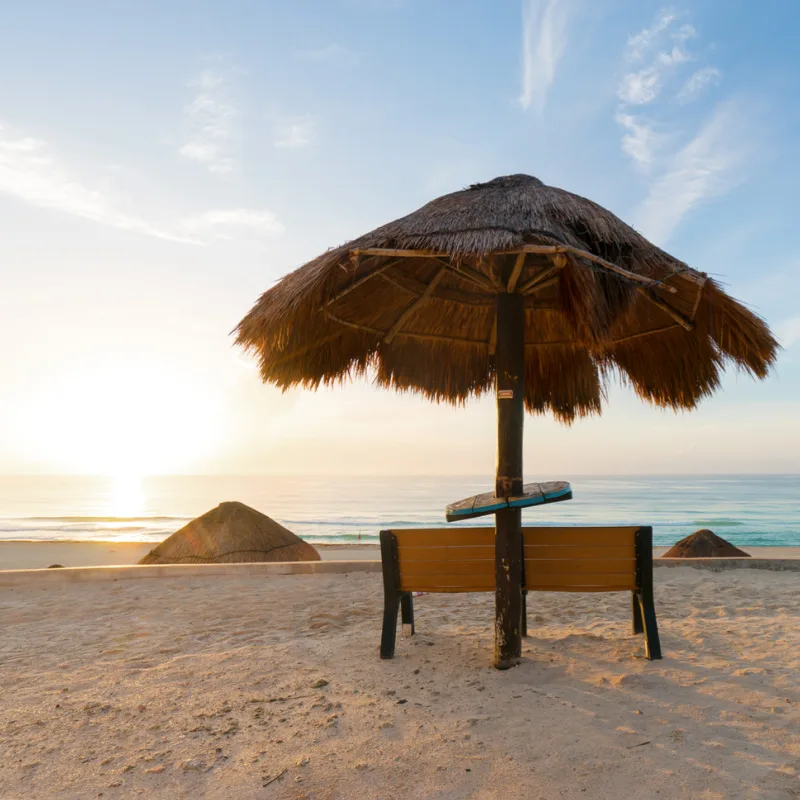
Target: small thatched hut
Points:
(228, 534)
(704, 544)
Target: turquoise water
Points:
(762, 510)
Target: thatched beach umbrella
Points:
(512, 285)
(704, 544)
(231, 533)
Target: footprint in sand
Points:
(324, 621)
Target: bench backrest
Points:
(564, 559)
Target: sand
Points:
(41, 554)
(190, 688)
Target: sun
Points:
(122, 421)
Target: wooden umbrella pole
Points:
(510, 376)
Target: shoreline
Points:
(36, 554)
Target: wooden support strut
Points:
(538, 281)
(492, 343)
(667, 309)
(645, 285)
(510, 376)
(417, 288)
(538, 286)
(363, 279)
(518, 265)
(607, 265)
(700, 286)
(421, 337)
(421, 300)
(469, 274)
(542, 249)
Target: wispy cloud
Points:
(641, 43)
(709, 165)
(222, 223)
(31, 171)
(332, 53)
(211, 121)
(640, 141)
(656, 61)
(544, 32)
(686, 171)
(670, 58)
(641, 87)
(662, 49)
(684, 33)
(699, 81)
(294, 133)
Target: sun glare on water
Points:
(126, 498)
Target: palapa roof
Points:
(415, 301)
(231, 533)
(704, 544)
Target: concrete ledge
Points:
(720, 564)
(45, 577)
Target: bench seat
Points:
(563, 559)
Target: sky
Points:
(163, 163)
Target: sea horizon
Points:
(748, 510)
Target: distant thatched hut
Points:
(228, 534)
(704, 544)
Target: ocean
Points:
(761, 510)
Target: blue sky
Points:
(162, 163)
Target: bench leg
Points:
(389, 636)
(407, 608)
(652, 644)
(645, 616)
(392, 596)
(638, 625)
(523, 623)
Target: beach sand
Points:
(192, 687)
(41, 554)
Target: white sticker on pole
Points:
(505, 394)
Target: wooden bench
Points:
(556, 560)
